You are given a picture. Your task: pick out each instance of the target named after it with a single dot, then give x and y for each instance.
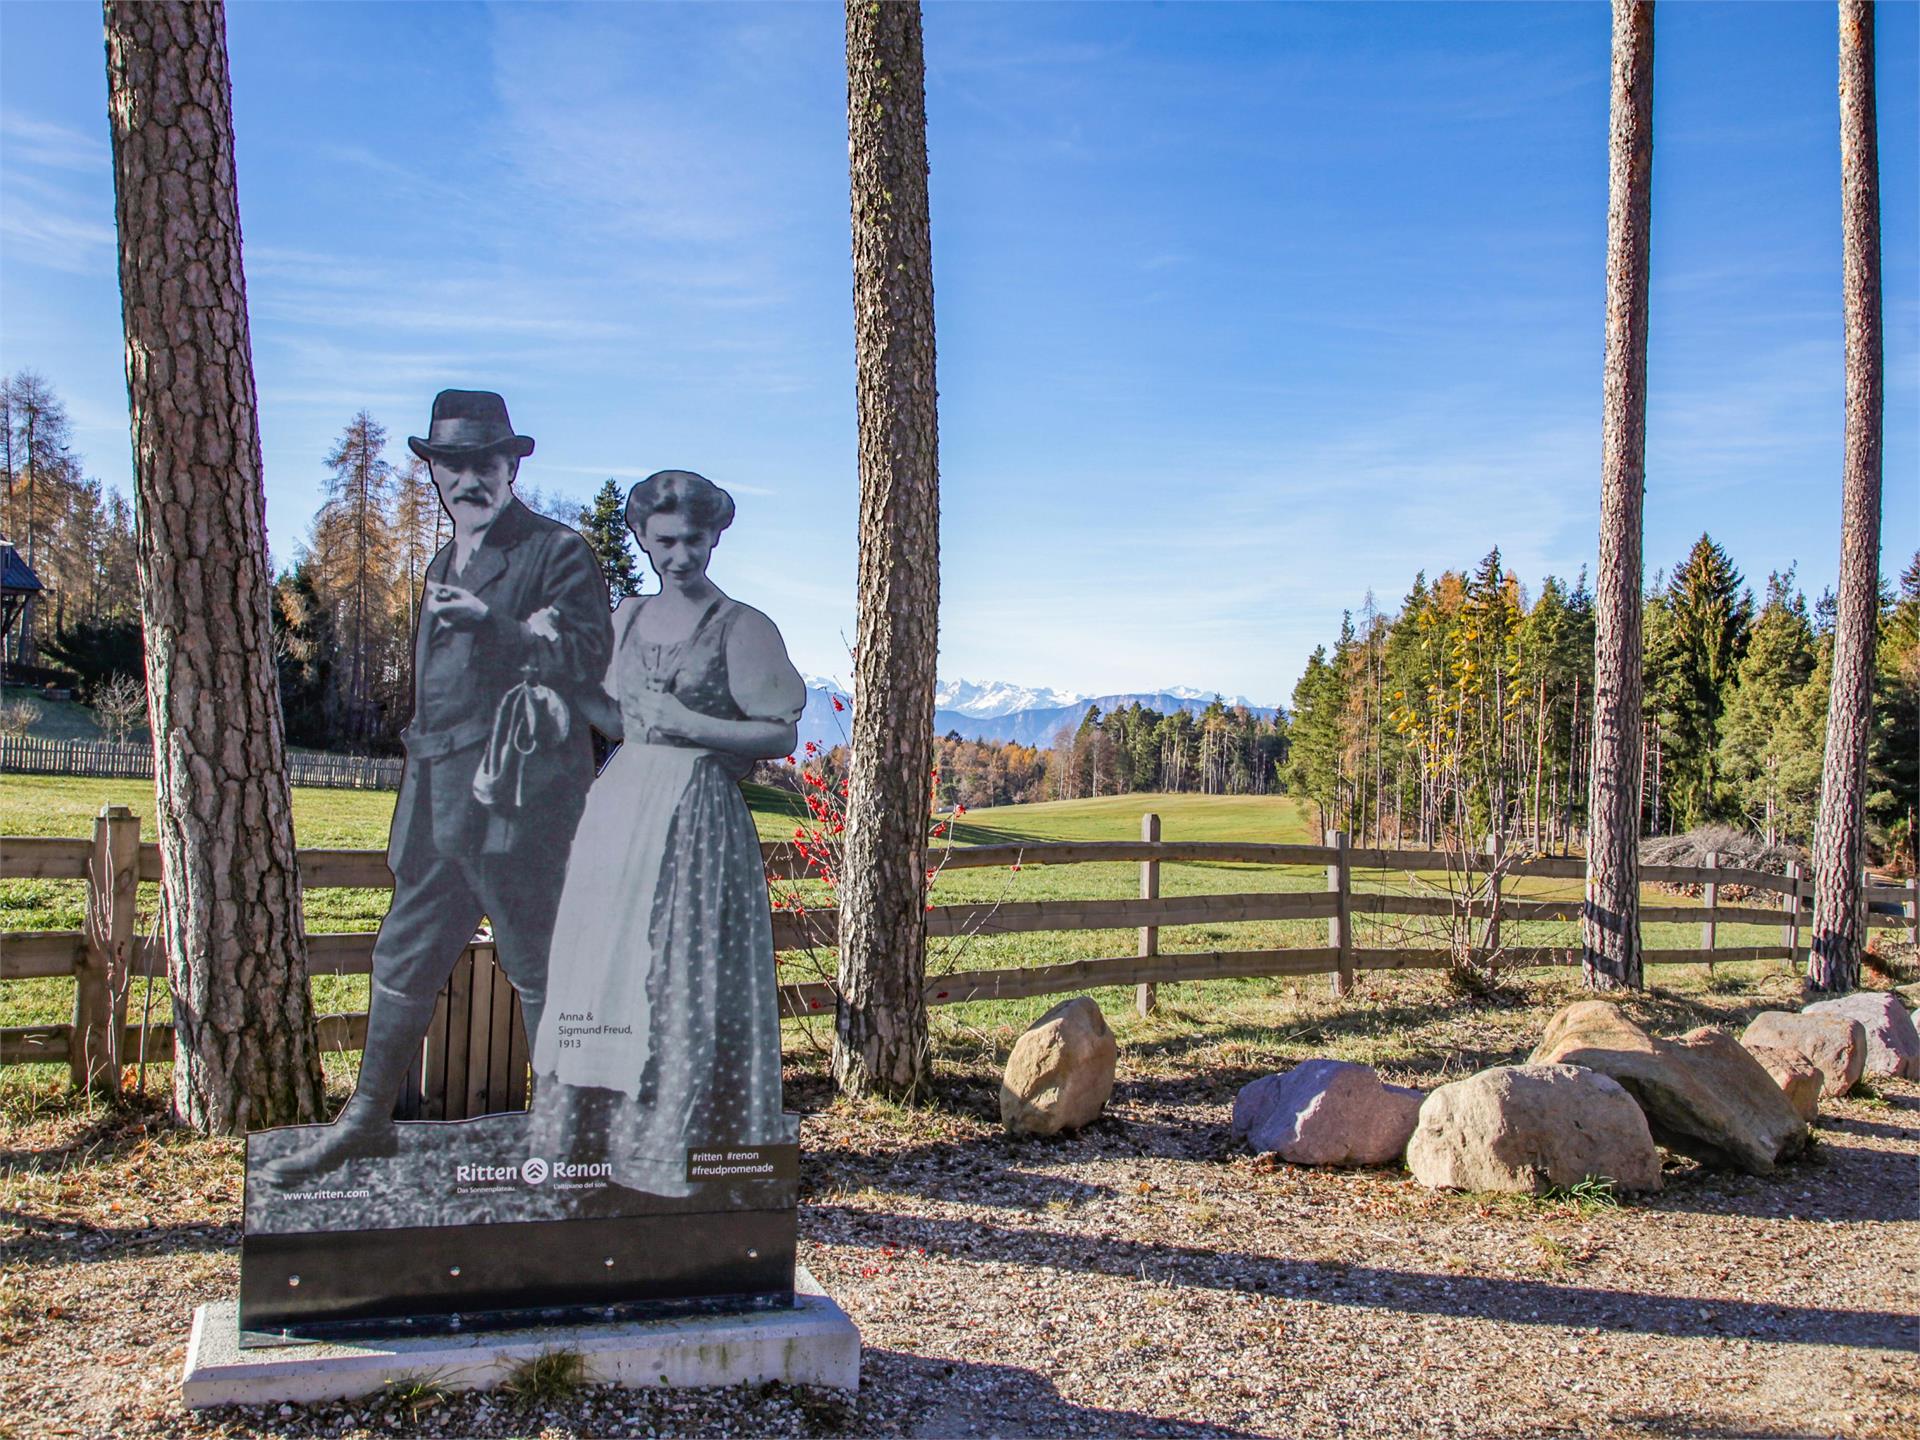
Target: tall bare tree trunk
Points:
(1839, 837)
(247, 1050)
(1610, 919)
(880, 1041)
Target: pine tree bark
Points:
(880, 1041)
(247, 1052)
(1610, 918)
(1839, 835)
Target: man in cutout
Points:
(512, 645)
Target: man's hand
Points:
(545, 624)
(455, 608)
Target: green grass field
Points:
(35, 805)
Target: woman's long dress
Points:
(661, 984)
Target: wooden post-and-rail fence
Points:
(475, 1059)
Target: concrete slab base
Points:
(813, 1344)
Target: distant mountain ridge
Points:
(997, 710)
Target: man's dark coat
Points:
(526, 563)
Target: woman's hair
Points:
(679, 492)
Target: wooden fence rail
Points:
(476, 1055)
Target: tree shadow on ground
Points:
(1880, 1129)
(1688, 1424)
(976, 1398)
(1508, 1301)
(46, 1240)
(112, 1128)
(995, 1168)
(1875, 1186)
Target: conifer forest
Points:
(1466, 709)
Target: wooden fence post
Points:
(1710, 927)
(1340, 923)
(1913, 909)
(100, 984)
(1790, 932)
(1496, 849)
(1145, 994)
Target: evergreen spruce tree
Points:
(1086, 747)
(1120, 733)
(303, 648)
(1754, 741)
(1693, 656)
(1143, 746)
(1659, 665)
(604, 524)
(1408, 710)
(1313, 760)
(1895, 793)
(1800, 741)
(1550, 685)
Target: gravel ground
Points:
(1143, 1277)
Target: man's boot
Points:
(364, 1130)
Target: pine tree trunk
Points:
(1610, 919)
(247, 1054)
(1839, 836)
(880, 1041)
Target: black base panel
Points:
(470, 1322)
(396, 1282)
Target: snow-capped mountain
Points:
(997, 710)
(997, 697)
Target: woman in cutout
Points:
(662, 1026)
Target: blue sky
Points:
(1243, 310)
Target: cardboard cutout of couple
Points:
(629, 908)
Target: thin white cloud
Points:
(27, 140)
(54, 236)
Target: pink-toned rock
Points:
(1799, 1080)
(1835, 1045)
(1703, 1094)
(1532, 1128)
(1060, 1073)
(1893, 1045)
(1327, 1112)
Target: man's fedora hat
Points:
(468, 423)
